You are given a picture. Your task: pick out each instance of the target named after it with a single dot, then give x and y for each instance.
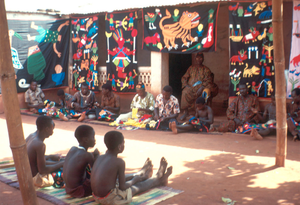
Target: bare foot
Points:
(256, 135)
(173, 127)
(63, 117)
(146, 170)
(149, 172)
(296, 138)
(164, 178)
(162, 167)
(82, 117)
(251, 133)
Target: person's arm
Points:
(266, 113)
(92, 156)
(210, 117)
(207, 79)
(150, 105)
(43, 168)
(256, 118)
(231, 115)
(156, 115)
(56, 51)
(115, 109)
(184, 78)
(169, 117)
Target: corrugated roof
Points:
(89, 6)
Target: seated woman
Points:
(142, 106)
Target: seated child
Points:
(78, 162)
(108, 174)
(201, 121)
(42, 171)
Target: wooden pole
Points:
(280, 84)
(12, 114)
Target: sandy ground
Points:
(206, 167)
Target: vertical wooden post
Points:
(280, 84)
(12, 114)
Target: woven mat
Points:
(59, 196)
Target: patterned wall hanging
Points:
(251, 48)
(85, 51)
(40, 51)
(181, 29)
(294, 69)
(121, 34)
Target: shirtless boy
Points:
(78, 161)
(201, 121)
(109, 169)
(40, 169)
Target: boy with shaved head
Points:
(108, 179)
(78, 163)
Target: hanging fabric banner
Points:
(40, 52)
(294, 69)
(251, 48)
(85, 51)
(121, 34)
(178, 29)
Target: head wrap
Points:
(140, 86)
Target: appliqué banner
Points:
(40, 51)
(85, 52)
(177, 29)
(251, 48)
(121, 34)
(294, 70)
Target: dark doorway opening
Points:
(178, 65)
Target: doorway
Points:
(178, 65)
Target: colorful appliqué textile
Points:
(201, 126)
(294, 69)
(40, 51)
(177, 29)
(271, 124)
(85, 51)
(121, 34)
(251, 47)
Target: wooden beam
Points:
(280, 84)
(13, 115)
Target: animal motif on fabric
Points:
(151, 17)
(251, 36)
(249, 72)
(296, 61)
(259, 7)
(152, 39)
(181, 29)
(242, 55)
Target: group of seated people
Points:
(244, 115)
(84, 173)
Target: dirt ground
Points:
(206, 167)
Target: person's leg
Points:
(187, 99)
(160, 178)
(264, 132)
(180, 128)
(124, 117)
(146, 171)
(292, 128)
(254, 133)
